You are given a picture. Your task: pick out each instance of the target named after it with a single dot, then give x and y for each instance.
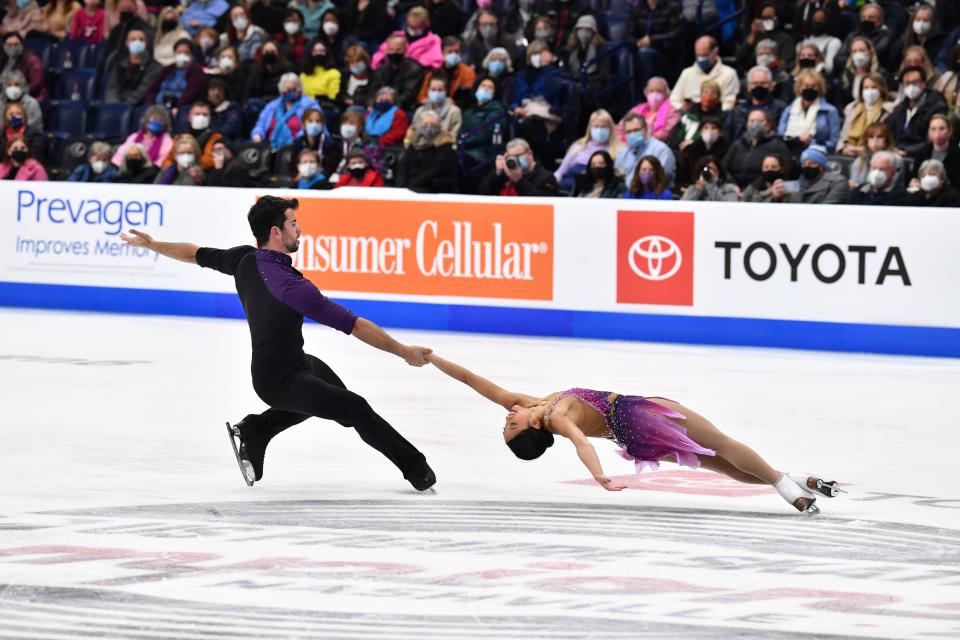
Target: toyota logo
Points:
(655, 258)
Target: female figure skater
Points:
(646, 428)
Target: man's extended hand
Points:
(415, 356)
(138, 239)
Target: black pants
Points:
(316, 391)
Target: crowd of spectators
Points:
(802, 101)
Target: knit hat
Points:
(357, 152)
(816, 153)
(586, 21)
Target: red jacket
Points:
(31, 170)
(371, 178)
(398, 129)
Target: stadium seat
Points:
(44, 48)
(67, 119)
(110, 122)
(135, 116)
(71, 153)
(78, 85)
(251, 111)
(71, 54)
(841, 163)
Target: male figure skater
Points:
(275, 299)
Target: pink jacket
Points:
(31, 170)
(426, 50)
(660, 123)
(161, 151)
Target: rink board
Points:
(827, 277)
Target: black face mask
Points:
(20, 156)
(358, 173)
(126, 16)
(168, 25)
(395, 58)
(809, 94)
(810, 173)
(135, 165)
(818, 28)
(269, 58)
(807, 63)
(866, 26)
(772, 176)
(601, 173)
(760, 94)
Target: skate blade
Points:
(246, 469)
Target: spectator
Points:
(132, 76)
(709, 107)
(809, 57)
(769, 185)
(459, 77)
(451, 118)
(599, 180)
(203, 14)
(917, 57)
(536, 101)
(22, 17)
(711, 183)
(878, 138)
(292, 42)
(599, 136)
(89, 24)
(19, 164)
(186, 170)
(519, 20)
(15, 58)
(16, 91)
(818, 184)
(949, 82)
(97, 168)
(871, 26)
(280, 122)
(484, 124)
(400, 71)
(206, 42)
(181, 83)
(861, 63)
(152, 135)
(810, 118)
(359, 172)
(708, 67)
(15, 123)
(545, 31)
(640, 144)
(655, 29)
(881, 187)
(565, 14)
(808, 15)
(366, 20)
(242, 34)
(910, 119)
(266, 71)
(517, 173)
(585, 44)
(352, 136)
(132, 13)
(169, 34)
(446, 17)
(745, 157)
(331, 34)
(871, 107)
(429, 165)
(500, 67)
(313, 11)
(386, 123)
(223, 162)
(767, 27)
(135, 165)
(933, 188)
(783, 81)
(316, 137)
(355, 85)
(760, 88)
(923, 30)
(710, 142)
(198, 127)
(422, 45)
(942, 147)
(310, 174)
(227, 116)
(649, 181)
(320, 76)
(822, 37)
(58, 17)
(662, 119)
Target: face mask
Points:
(912, 91)
(451, 59)
(601, 173)
(810, 94)
(483, 96)
(705, 64)
(876, 178)
(199, 122)
(137, 47)
(226, 64)
(13, 51)
(22, 4)
(769, 24)
(646, 178)
(921, 27)
(156, 127)
(756, 130)
(13, 92)
(488, 30)
(126, 16)
(655, 99)
(866, 26)
(20, 156)
(497, 67)
(871, 96)
(760, 93)
(240, 23)
(810, 173)
(98, 166)
(206, 43)
(772, 176)
(636, 139)
(319, 59)
(307, 169)
(16, 122)
(313, 129)
(600, 135)
(709, 137)
(291, 95)
(291, 27)
(395, 58)
(382, 105)
(358, 171)
(182, 60)
(331, 28)
(524, 163)
(184, 160)
(437, 97)
(536, 61)
(766, 60)
(861, 59)
(357, 69)
(543, 34)
(584, 35)
(414, 33)
(807, 63)
(348, 130)
(818, 28)
(930, 183)
(168, 25)
(269, 58)
(429, 132)
(134, 165)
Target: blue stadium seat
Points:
(251, 111)
(77, 85)
(135, 118)
(71, 54)
(93, 55)
(110, 122)
(44, 48)
(68, 119)
(181, 122)
(618, 29)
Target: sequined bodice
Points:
(597, 400)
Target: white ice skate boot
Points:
(802, 500)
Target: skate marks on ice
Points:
(474, 569)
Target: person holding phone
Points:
(712, 183)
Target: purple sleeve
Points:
(303, 296)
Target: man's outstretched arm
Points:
(182, 251)
(374, 336)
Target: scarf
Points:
(660, 120)
(307, 183)
(154, 150)
(380, 123)
(863, 118)
(283, 133)
(801, 123)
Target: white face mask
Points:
(536, 61)
(912, 91)
(98, 166)
(307, 169)
(331, 28)
(709, 137)
(930, 183)
(291, 27)
(765, 60)
(871, 96)
(13, 92)
(348, 130)
(199, 122)
(877, 178)
(184, 160)
(922, 27)
(769, 25)
(226, 63)
(240, 23)
(182, 60)
(206, 43)
(861, 58)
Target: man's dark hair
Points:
(920, 70)
(530, 443)
(269, 212)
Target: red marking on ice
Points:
(949, 606)
(619, 585)
(704, 483)
(559, 566)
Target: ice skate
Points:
(421, 477)
(802, 500)
(246, 468)
(830, 488)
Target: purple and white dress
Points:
(643, 428)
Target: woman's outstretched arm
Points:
(562, 425)
(489, 390)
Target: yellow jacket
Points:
(322, 82)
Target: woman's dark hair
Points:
(189, 43)
(659, 177)
(269, 212)
(530, 443)
(705, 162)
(760, 183)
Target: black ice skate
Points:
(421, 476)
(246, 467)
(831, 488)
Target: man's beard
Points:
(293, 245)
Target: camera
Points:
(512, 163)
(706, 175)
